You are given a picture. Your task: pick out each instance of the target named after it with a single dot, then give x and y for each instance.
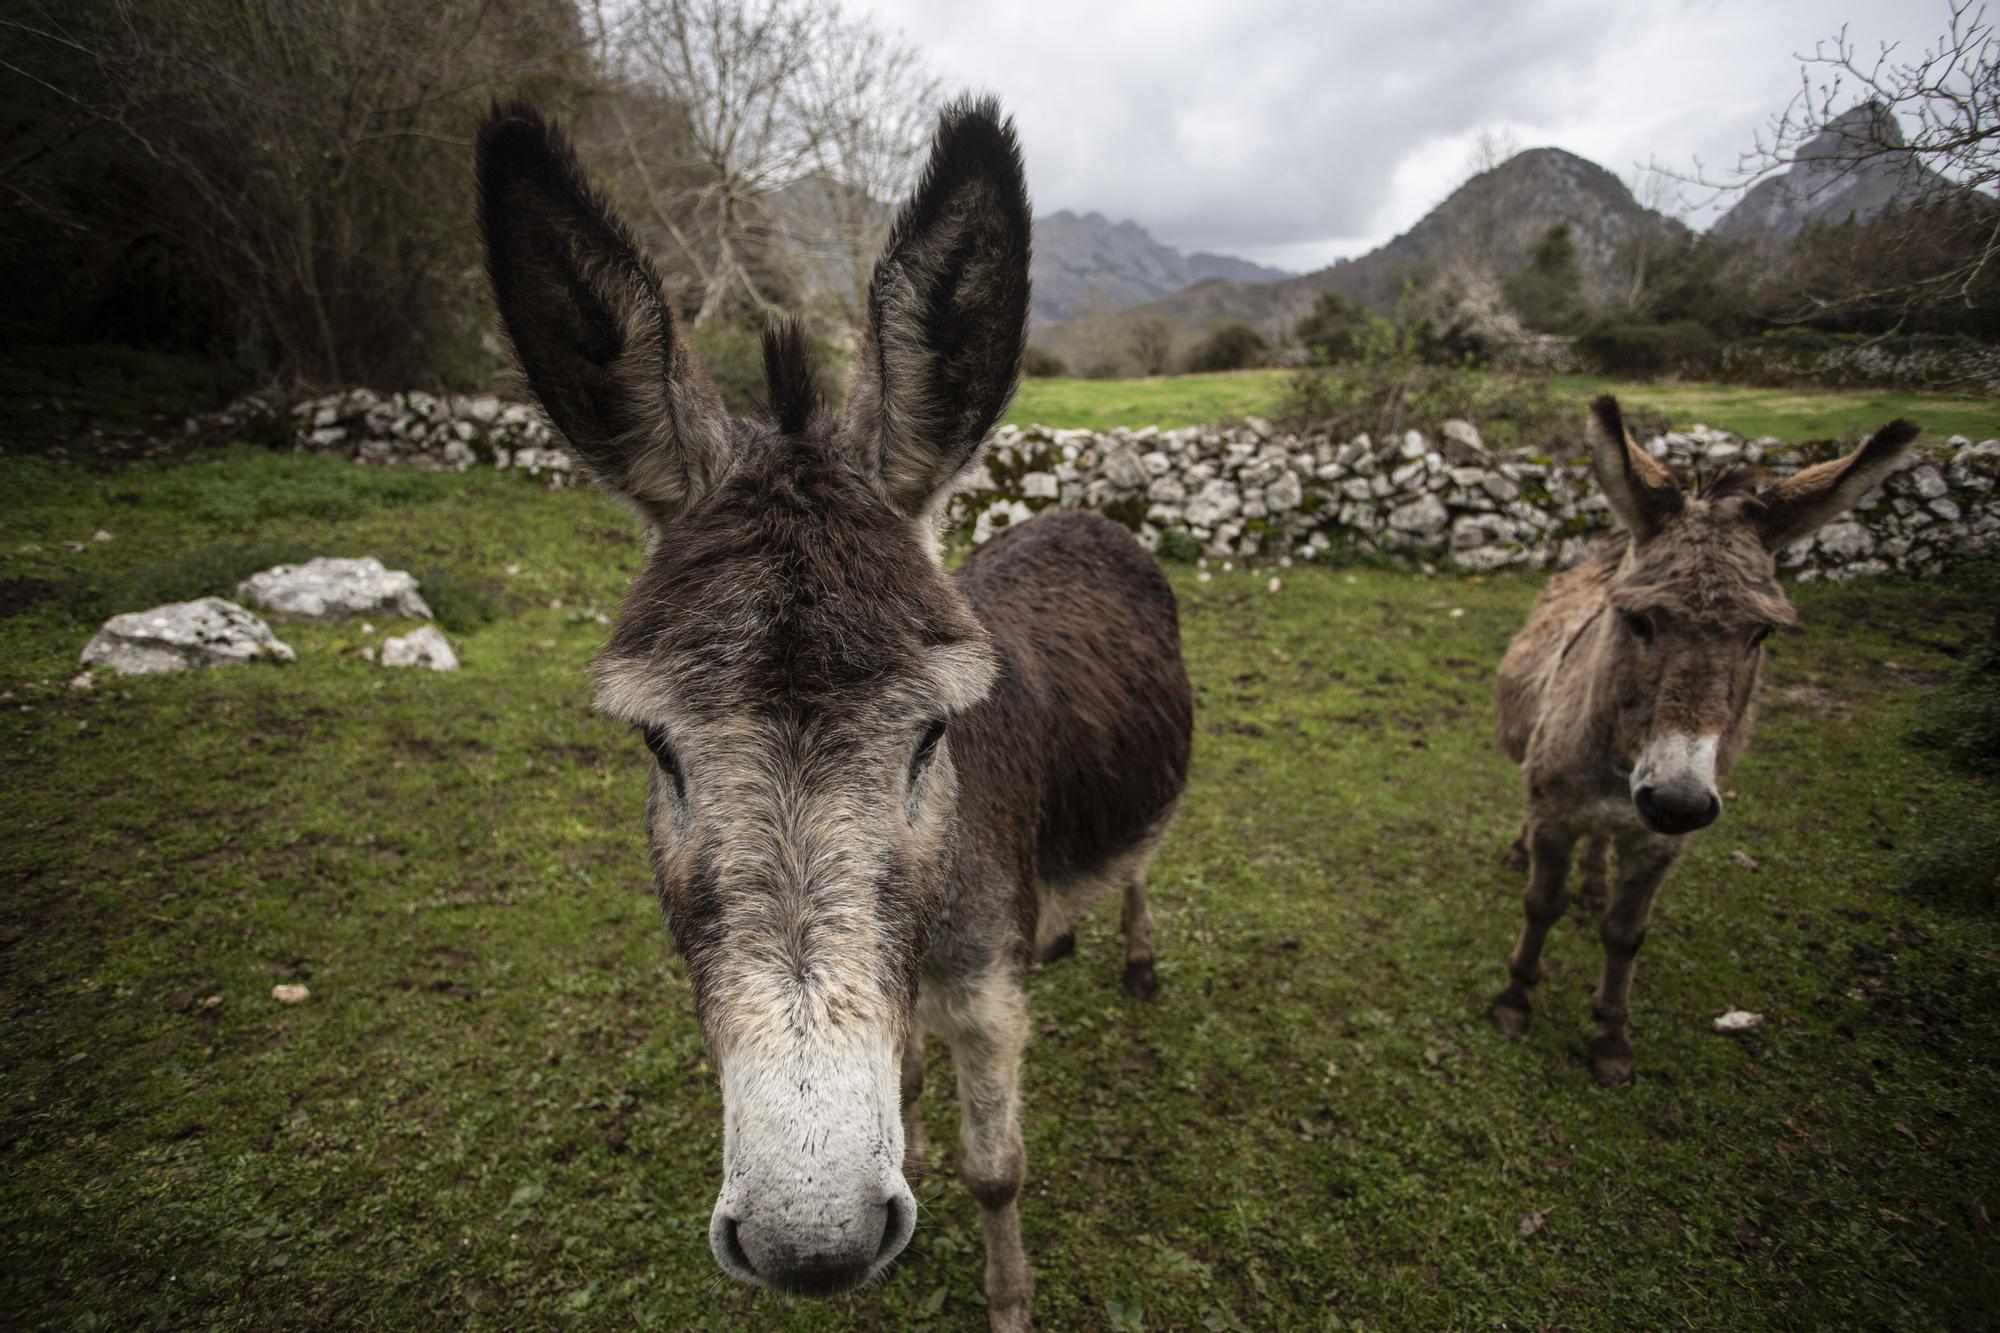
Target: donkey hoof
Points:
(1009, 1319)
(1509, 1016)
(1059, 948)
(1141, 982)
(1611, 1061)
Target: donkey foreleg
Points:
(1593, 893)
(1543, 903)
(989, 1032)
(1643, 862)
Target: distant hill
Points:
(1088, 257)
(1840, 174)
(1495, 218)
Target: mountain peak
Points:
(1856, 167)
(1085, 259)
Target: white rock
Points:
(1463, 433)
(426, 647)
(1124, 469)
(1287, 492)
(336, 586)
(1422, 518)
(1217, 501)
(997, 518)
(1040, 486)
(1739, 1020)
(1844, 540)
(181, 635)
(289, 993)
(1929, 482)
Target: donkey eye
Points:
(1758, 635)
(663, 753)
(926, 748)
(1641, 626)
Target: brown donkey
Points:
(875, 786)
(1629, 693)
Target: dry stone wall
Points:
(1253, 491)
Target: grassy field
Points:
(1791, 414)
(495, 1107)
(1165, 401)
(1800, 414)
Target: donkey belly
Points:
(1093, 712)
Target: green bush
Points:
(1040, 363)
(1230, 345)
(1633, 348)
(1334, 329)
(1179, 544)
(1547, 291)
(1391, 387)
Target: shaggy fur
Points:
(873, 784)
(1630, 693)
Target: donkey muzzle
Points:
(1673, 784)
(813, 1200)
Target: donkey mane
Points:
(788, 376)
(1729, 482)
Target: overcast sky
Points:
(1295, 132)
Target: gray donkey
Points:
(1629, 694)
(877, 790)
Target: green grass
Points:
(1166, 401)
(1791, 414)
(496, 1108)
(1800, 414)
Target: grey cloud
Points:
(1295, 132)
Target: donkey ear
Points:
(584, 311)
(1642, 492)
(1803, 501)
(947, 312)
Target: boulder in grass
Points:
(333, 586)
(426, 647)
(181, 636)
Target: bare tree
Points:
(1929, 121)
(1484, 235)
(1490, 147)
(798, 126)
(1657, 192)
(731, 70)
(873, 104)
(290, 176)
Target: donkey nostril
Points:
(896, 1230)
(732, 1246)
(1714, 811)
